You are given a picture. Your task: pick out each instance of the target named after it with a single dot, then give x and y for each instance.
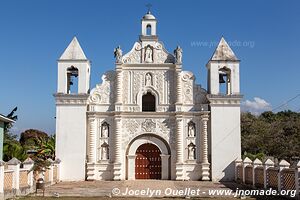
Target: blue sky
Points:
(33, 34)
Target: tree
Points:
(271, 134)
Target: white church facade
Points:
(148, 119)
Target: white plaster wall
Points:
(225, 141)
(71, 141)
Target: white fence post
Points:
(256, 163)
(57, 163)
(246, 162)
(2, 179)
(28, 164)
(268, 163)
(14, 164)
(51, 171)
(283, 164)
(297, 179)
(238, 162)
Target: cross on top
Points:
(149, 5)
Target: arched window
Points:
(72, 82)
(148, 31)
(225, 81)
(148, 103)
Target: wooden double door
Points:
(148, 162)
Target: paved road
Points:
(137, 188)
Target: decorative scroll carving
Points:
(152, 54)
(103, 94)
(188, 82)
(148, 125)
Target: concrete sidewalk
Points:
(137, 188)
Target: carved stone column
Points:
(178, 89)
(92, 123)
(117, 163)
(179, 150)
(205, 165)
(118, 88)
(92, 139)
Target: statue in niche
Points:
(148, 79)
(191, 129)
(148, 55)
(104, 130)
(178, 54)
(191, 151)
(104, 151)
(118, 54)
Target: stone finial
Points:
(268, 162)
(2, 163)
(14, 161)
(28, 161)
(284, 163)
(57, 161)
(257, 162)
(247, 160)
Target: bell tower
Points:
(71, 107)
(72, 65)
(224, 100)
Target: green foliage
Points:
(260, 156)
(272, 134)
(45, 150)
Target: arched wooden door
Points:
(148, 162)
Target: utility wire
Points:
(291, 99)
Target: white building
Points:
(148, 119)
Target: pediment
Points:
(153, 52)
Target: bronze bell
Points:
(221, 78)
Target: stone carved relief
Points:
(159, 84)
(148, 54)
(178, 54)
(131, 125)
(125, 86)
(191, 129)
(148, 125)
(187, 86)
(191, 151)
(148, 79)
(104, 130)
(118, 54)
(104, 151)
(102, 94)
(152, 54)
(134, 56)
